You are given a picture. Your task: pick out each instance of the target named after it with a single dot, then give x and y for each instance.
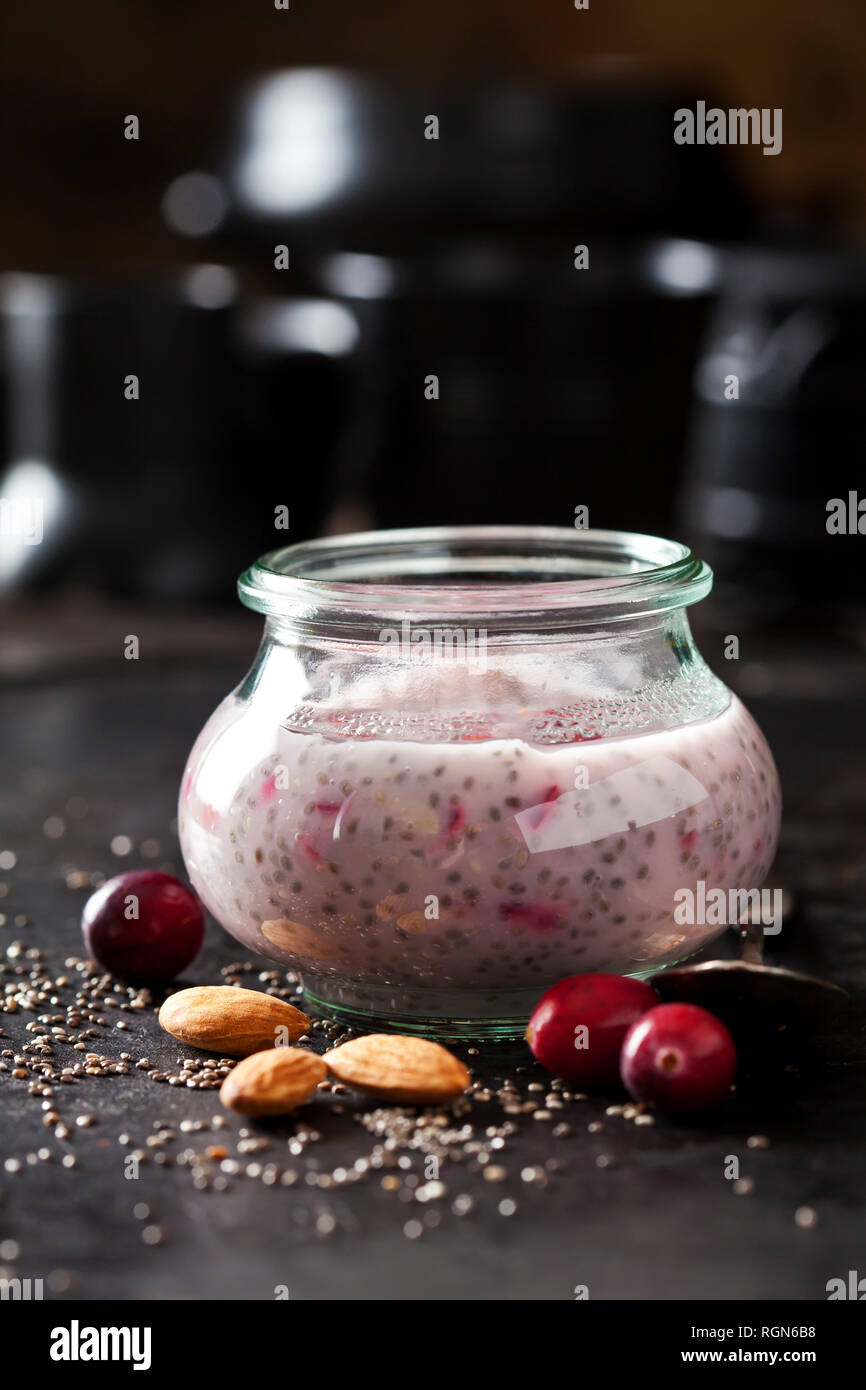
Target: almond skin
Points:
(232, 1022)
(272, 1082)
(393, 1067)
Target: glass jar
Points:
(467, 762)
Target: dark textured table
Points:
(91, 748)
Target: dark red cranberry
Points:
(143, 927)
(576, 1029)
(678, 1057)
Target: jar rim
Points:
(503, 577)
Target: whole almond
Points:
(233, 1022)
(272, 1082)
(398, 1068)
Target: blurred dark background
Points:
(425, 350)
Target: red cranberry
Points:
(576, 1029)
(143, 927)
(678, 1057)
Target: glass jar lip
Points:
(369, 578)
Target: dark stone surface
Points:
(660, 1223)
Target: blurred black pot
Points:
(355, 161)
(158, 427)
(557, 387)
(554, 388)
(778, 429)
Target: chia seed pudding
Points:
(429, 869)
(469, 761)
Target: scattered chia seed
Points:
(70, 1011)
